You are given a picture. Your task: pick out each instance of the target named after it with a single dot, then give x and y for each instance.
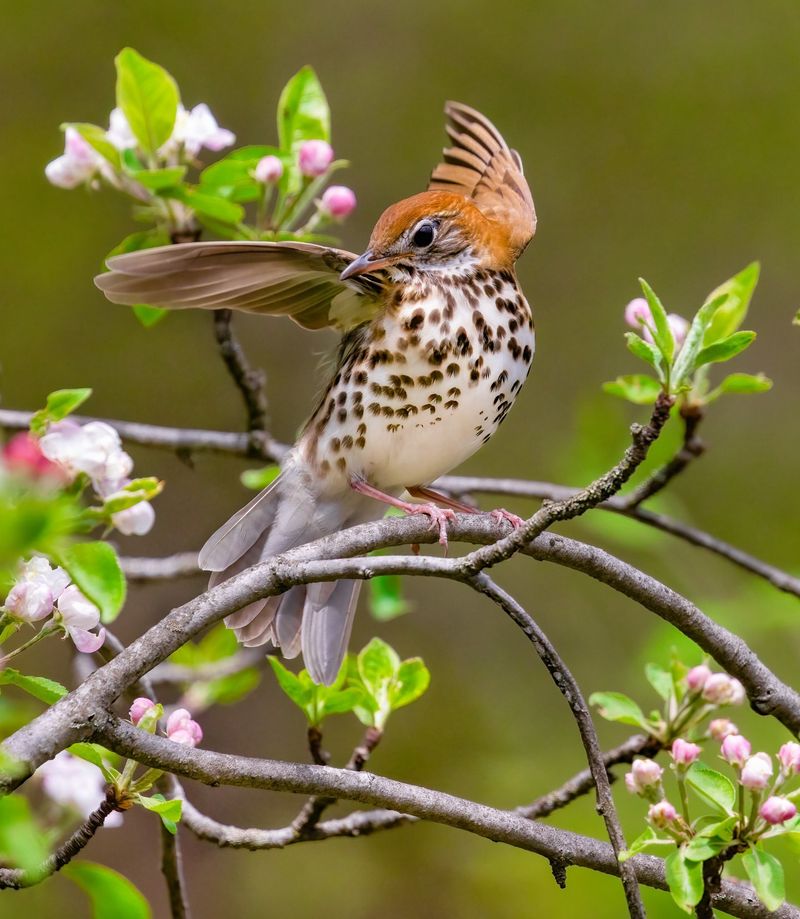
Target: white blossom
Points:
(78, 615)
(76, 784)
(79, 163)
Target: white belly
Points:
(434, 386)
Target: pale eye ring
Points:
(424, 235)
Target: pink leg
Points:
(438, 515)
(419, 491)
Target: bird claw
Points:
(500, 514)
(439, 518)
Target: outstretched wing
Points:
(481, 166)
(299, 280)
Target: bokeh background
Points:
(660, 140)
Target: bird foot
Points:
(439, 517)
(501, 514)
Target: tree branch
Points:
(172, 869)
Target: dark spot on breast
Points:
(341, 463)
(428, 408)
(360, 443)
(335, 444)
(435, 316)
(414, 321)
(451, 404)
(391, 428)
(501, 378)
(347, 442)
(474, 376)
(434, 397)
(342, 415)
(361, 378)
(341, 398)
(374, 408)
(387, 410)
(455, 391)
(453, 369)
(358, 411)
(436, 375)
(324, 467)
(527, 354)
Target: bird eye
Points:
(424, 235)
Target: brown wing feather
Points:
(299, 280)
(481, 166)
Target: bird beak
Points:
(368, 262)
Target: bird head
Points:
(434, 231)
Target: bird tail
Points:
(313, 618)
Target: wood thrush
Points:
(437, 342)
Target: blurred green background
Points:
(660, 140)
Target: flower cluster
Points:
(41, 591)
(95, 450)
(181, 727)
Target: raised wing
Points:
(299, 280)
(481, 166)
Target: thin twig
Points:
(691, 448)
(583, 781)
(249, 382)
(172, 869)
(569, 688)
(16, 878)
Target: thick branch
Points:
(500, 826)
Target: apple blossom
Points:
(661, 814)
(139, 708)
(94, 448)
(119, 130)
(685, 753)
(182, 729)
(198, 129)
(721, 689)
(638, 316)
(23, 454)
(338, 201)
(78, 615)
(756, 772)
(76, 784)
(789, 756)
(720, 728)
(136, 520)
(697, 676)
(79, 163)
(314, 157)
(268, 169)
(645, 773)
(777, 810)
(736, 749)
(36, 590)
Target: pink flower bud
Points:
(135, 521)
(721, 689)
(777, 810)
(789, 755)
(268, 169)
(140, 708)
(697, 676)
(315, 157)
(23, 454)
(338, 201)
(182, 729)
(637, 312)
(661, 814)
(644, 774)
(720, 728)
(685, 753)
(736, 749)
(679, 327)
(756, 772)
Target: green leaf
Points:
(647, 839)
(766, 876)
(207, 204)
(258, 479)
(662, 333)
(303, 114)
(159, 179)
(92, 753)
(685, 880)
(386, 597)
(342, 700)
(413, 678)
(660, 679)
(59, 404)
(726, 349)
(22, 842)
(112, 895)
(739, 290)
(95, 568)
(291, 684)
(637, 388)
(40, 687)
(686, 361)
(741, 383)
(168, 810)
(378, 664)
(149, 315)
(96, 137)
(148, 97)
(616, 706)
(701, 848)
(643, 350)
(714, 787)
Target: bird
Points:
(437, 342)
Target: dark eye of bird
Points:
(424, 235)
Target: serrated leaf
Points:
(112, 895)
(40, 687)
(766, 876)
(59, 404)
(662, 333)
(685, 880)
(148, 97)
(714, 787)
(726, 349)
(412, 679)
(637, 388)
(95, 568)
(96, 137)
(739, 290)
(616, 706)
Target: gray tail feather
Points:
(316, 617)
